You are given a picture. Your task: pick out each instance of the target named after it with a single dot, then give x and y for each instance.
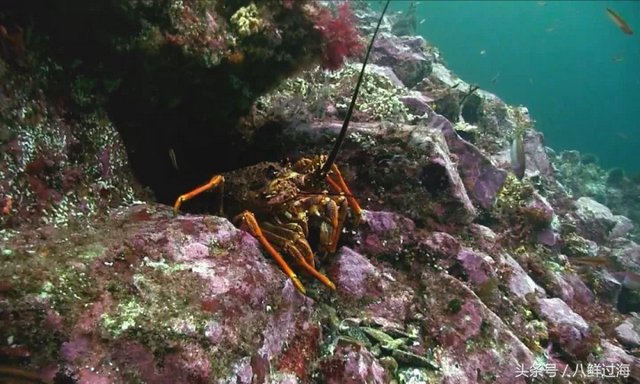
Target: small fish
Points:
(542, 3)
(174, 162)
(619, 22)
(622, 135)
(554, 26)
(530, 81)
(483, 52)
(517, 154)
(422, 21)
(618, 57)
(495, 78)
(590, 261)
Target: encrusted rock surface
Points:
(458, 272)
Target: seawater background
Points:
(580, 98)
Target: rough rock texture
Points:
(627, 253)
(622, 228)
(627, 332)
(482, 179)
(408, 168)
(536, 158)
(615, 355)
(472, 333)
(595, 220)
(458, 272)
(353, 365)
(54, 171)
(194, 287)
(404, 55)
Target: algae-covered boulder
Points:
(146, 296)
(56, 171)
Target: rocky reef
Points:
(458, 272)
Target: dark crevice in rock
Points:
(434, 179)
(472, 109)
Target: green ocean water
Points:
(556, 58)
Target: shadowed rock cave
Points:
(434, 179)
(199, 156)
(138, 62)
(472, 109)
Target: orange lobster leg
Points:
(342, 215)
(216, 181)
(289, 233)
(252, 226)
(339, 182)
(292, 250)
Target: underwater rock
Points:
(56, 171)
(622, 227)
(234, 53)
(373, 287)
(538, 210)
(626, 253)
(569, 328)
(537, 160)
(520, 283)
(557, 312)
(368, 18)
(384, 233)
(425, 140)
(356, 275)
(477, 267)
(595, 220)
(407, 58)
(417, 103)
(484, 237)
(482, 179)
(441, 245)
(571, 156)
(386, 72)
(610, 287)
(628, 333)
(550, 235)
(614, 355)
(575, 290)
(442, 76)
(352, 364)
(154, 285)
(472, 336)
(403, 168)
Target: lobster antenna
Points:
(322, 173)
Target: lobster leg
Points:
(330, 215)
(339, 184)
(287, 233)
(343, 206)
(250, 223)
(216, 181)
(295, 250)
